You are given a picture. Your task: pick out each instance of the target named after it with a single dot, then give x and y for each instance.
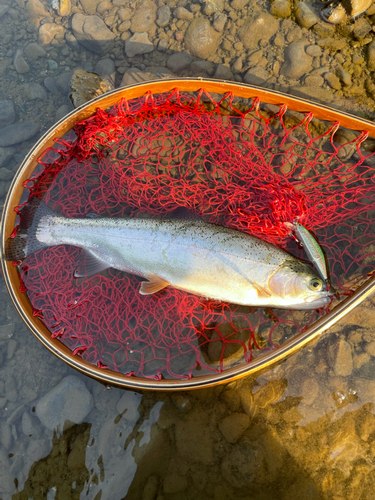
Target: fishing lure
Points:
(311, 246)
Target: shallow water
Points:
(303, 429)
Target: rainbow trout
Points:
(192, 255)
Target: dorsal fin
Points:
(153, 285)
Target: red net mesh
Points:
(231, 162)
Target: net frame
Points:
(187, 84)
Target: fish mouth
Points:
(317, 302)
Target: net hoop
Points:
(41, 332)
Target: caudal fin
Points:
(25, 242)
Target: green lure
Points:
(312, 248)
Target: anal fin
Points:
(153, 285)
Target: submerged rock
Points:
(261, 28)
(201, 39)
(19, 132)
(138, 44)
(67, 403)
(85, 86)
(305, 15)
(297, 62)
(92, 33)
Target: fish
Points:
(312, 248)
(205, 259)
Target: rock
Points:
(313, 50)
(332, 44)
(305, 15)
(370, 348)
(64, 8)
(85, 86)
(256, 76)
(269, 393)
(6, 478)
(174, 483)
(263, 27)
(138, 44)
(90, 6)
(151, 488)
(30, 425)
(144, 17)
(309, 390)
(238, 4)
(371, 56)
(20, 63)
(19, 132)
(182, 13)
(62, 111)
(7, 113)
(35, 91)
(340, 356)
(223, 72)
(124, 14)
(35, 12)
(314, 80)
(33, 51)
(36, 450)
(308, 92)
(234, 426)
(332, 80)
(4, 65)
(361, 28)
(219, 22)
(128, 406)
(10, 386)
(213, 6)
(237, 66)
(67, 403)
(297, 62)
(63, 82)
(72, 42)
(47, 32)
(179, 61)
(6, 154)
(281, 8)
(162, 45)
(106, 69)
(3, 9)
(92, 33)
(50, 84)
(201, 40)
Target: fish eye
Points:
(316, 285)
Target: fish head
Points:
(299, 286)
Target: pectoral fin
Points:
(153, 285)
(262, 292)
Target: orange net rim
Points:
(130, 92)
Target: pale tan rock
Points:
(263, 27)
(270, 393)
(309, 390)
(48, 31)
(201, 39)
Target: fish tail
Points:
(25, 241)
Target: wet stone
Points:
(223, 72)
(313, 50)
(11, 348)
(332, 80)
(7, 113)
(332, 44)
(256, 76)
(90, 6)
(3, 9)
(263, 27)
(67, 403)
(125, 14)
(6, 154)
(144, 17)
(213, 6)
(340, 354)
(201, 40)
(138, 44)
(47, 32)
(269, 393)
(179, 61)
(361, 28)
(106, 69)
(11, 389)
(219, 22)
(35, 11)
(234, 426)
(128, 406)
(19, 62)
(85, 86)
(371, 56)
(306, 17)
(19, 132)
(281, 8)
(297, 62)
(35, 91)
(63, 82)
(33, 51)
(193, 437)
(92, 33)
(30, 425)
(50, 84)
(309, 391)
(182, 13)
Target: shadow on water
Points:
(280, 435)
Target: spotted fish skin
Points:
(312, 248)
(195, 256)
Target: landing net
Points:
(234, 162)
